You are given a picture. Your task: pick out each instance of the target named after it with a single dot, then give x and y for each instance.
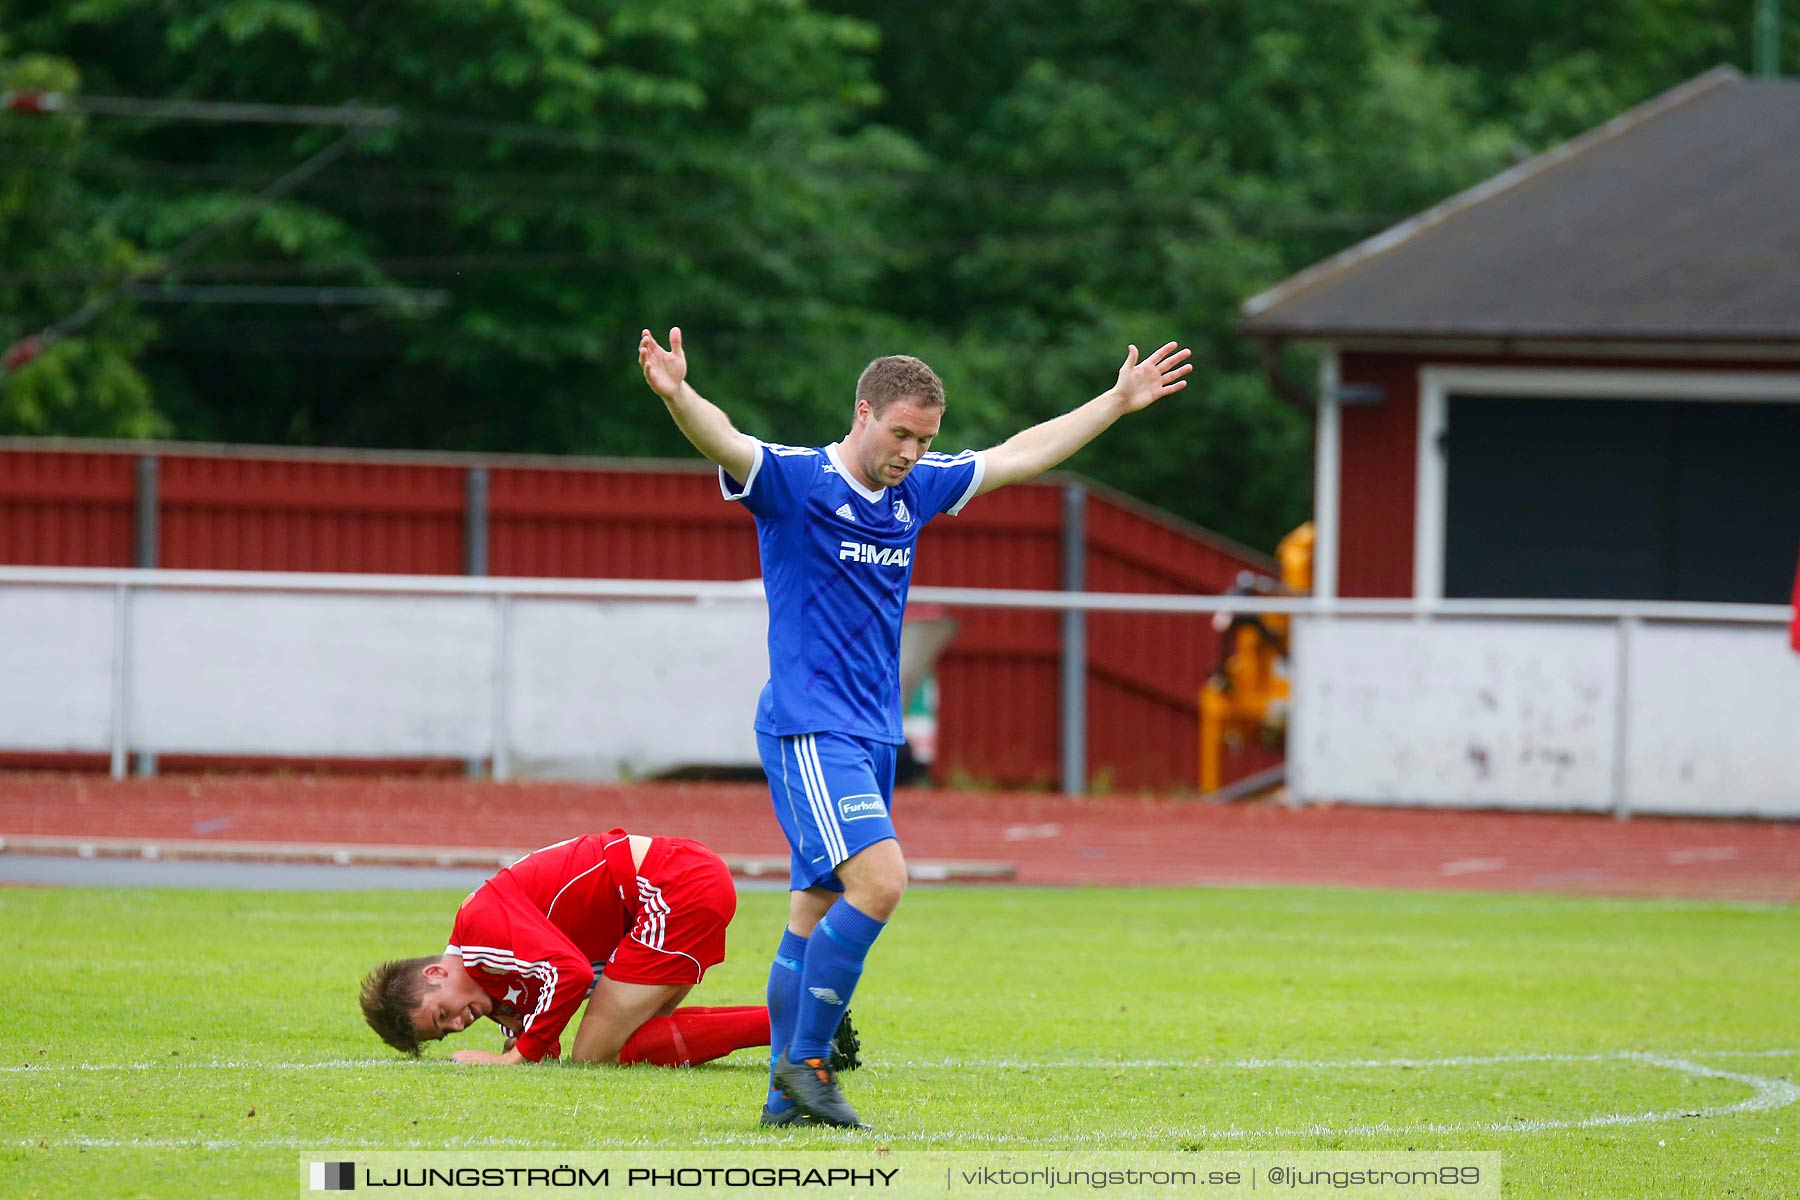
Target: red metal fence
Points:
(66, 510)
(234, 508)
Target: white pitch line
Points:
(1766, 1095)
(1019, 1064)
(1312, 1064)
(217, 1065)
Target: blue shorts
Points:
(832, 795)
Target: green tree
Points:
(1011, 190)
(563, 171)
(1552, 70)
(53, 235)
(1110, 173)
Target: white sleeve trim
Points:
(974, 484)
(725, 480)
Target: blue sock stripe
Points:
(785, 974)
(850, 927)
(791, 954)
(834, 964)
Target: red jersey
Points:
(532, 935)
(1794, 629)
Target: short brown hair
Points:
(899, 375)
(390, 994)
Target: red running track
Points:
(1055, 840)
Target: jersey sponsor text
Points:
(862, 552)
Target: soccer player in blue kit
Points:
(836, 526)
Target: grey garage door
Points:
(1622, 499)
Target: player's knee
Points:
(885, 901)
(596, 1054)
(878, 893)
(875, 879)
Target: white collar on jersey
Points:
(873, 497)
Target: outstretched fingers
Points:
(1167, 366)
(1169, 355)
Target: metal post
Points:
(1622, 718)
(475, 521)
(1766, 40)
(1326, 449)
(120, 677)
(1430, 490)
(145, 512)
(502, 635)
(144, 525)
(1074, 643)
(475, 562)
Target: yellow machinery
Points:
(1247, 695)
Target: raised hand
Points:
(1142, 384)
(664, 370)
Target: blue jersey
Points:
(836, 564)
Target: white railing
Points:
(1625, 706)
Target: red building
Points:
(1580, 379)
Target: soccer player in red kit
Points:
(649, 913)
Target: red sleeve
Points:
(1794, 629)
(500, 936)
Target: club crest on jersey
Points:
(901, 513)
(862, 552)
(858, 808)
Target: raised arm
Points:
(1033, 451)
(699, 419)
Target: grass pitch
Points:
(190, 1043)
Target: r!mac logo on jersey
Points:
(857, 808)
(862, 552)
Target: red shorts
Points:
(686, 899)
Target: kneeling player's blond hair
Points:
(390, 993)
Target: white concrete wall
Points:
(592, 689)
(610, 690)
(1526, 714)
(312, 675)
(56, 669)
(1465, 711)
(1715, 721)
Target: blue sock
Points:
(784, 1001)
(834, 962)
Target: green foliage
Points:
(1013, 190)
(53, 234)
(225, 1030)
(1107, 174)
(1553, 70)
